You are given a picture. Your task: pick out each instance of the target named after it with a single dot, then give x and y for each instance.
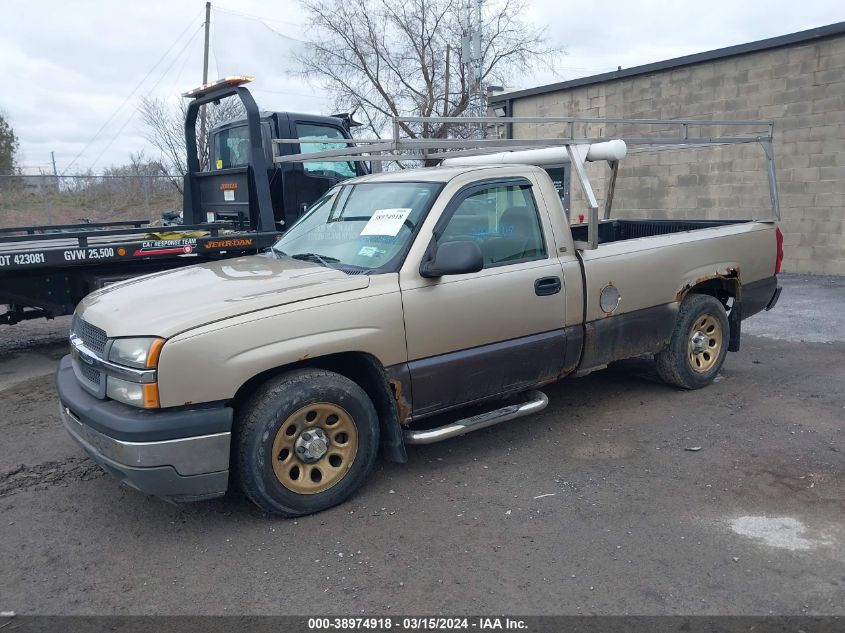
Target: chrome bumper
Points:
(185, 469)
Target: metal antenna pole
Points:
(203, 141)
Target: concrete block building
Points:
(796, 80)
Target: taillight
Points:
(779, 240)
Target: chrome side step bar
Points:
(537, 402)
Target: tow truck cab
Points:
(242, 183)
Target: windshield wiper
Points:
(325, 260)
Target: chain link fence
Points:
(44, 200)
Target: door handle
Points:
(547, 286)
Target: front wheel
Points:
(305, 442)
(698, 345)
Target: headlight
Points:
(139, 395)
(141, 353)
(138, 353)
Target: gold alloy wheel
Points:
(705, 343)
(314, 448)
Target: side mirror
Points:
(453, 258)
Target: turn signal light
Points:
(155, 351)
(151, 396)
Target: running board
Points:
(538, 401)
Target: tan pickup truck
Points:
(405, 307)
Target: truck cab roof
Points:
(439, 173)
(281, 116)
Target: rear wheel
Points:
(698, 345)
(306, 441)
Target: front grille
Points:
(89, 373)
(93, 337)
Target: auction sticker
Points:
(386, 222)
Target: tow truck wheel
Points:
(698, 345)
(306, 441)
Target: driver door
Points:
(476, 335)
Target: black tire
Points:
(676, 364)
(279, 402)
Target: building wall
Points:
(800, 87)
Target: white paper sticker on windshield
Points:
(386, 222)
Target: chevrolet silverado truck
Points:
(405, 307)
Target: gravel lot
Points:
(594, 505)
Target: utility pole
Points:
(476, 54)
(446, 91)
(203, 141)
(471, 55)
(55, 171)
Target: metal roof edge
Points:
(821, 32)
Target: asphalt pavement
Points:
(624, 496)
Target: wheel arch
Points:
(368, 373)
(726, 286)
(723, 285)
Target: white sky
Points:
(73, 72)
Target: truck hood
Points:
(166, 303)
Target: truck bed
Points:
(619, 230)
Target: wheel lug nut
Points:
(306, 436)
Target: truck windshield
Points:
(365, 226)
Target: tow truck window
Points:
(231, 147)
(322, 136)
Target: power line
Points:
(213, 40)
(292, 93)
(263, 22)
(252, 16)
(154, 86)
(131, 94)
(181, 70)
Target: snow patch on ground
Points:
(781, 532)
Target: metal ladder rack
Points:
(575, 143)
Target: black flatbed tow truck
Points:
(239, 206)
(47, 274)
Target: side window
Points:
(230, 147)
(322, 136)
(503, 221)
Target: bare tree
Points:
(165, 129)
(386, 59)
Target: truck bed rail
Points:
(90, 226)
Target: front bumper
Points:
(176, 454)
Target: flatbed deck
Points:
(26, 248)
(45, 271)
